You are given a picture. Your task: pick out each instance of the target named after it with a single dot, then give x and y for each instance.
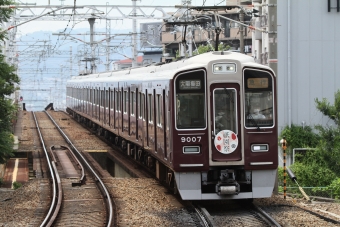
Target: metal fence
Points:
(310, 191)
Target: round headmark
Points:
(226, 141)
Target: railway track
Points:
(75, 202)
(232, 213)
(290, 215)
(139, 201)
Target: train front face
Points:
(225, 137)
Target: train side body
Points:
(206, 124)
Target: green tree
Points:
(5, 15)
(300, 137)
(8, 81)
(206, 48)
(321, 166)
(328, 148)
(331, 111)
(8, 78)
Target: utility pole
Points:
(241, 32)
(93, 65)
(272, 49)
(108, 40)
(71, 61)
(134, 35)
(272, 34)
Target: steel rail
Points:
(60, 197)
(204, 216)
(54, 176)
(267, 217)
(107, 194)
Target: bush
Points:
(299, 137)
(313, 174)
(16, 185)
(334, 187)
(289, 182)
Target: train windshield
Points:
(225, 109)
(259, 101)
(190, 100)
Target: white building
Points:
(308, 37)
(308, 59)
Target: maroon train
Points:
(206, 125)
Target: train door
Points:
(117, 111)
(136, 112)
(225, 114)
(133, 116)
(125, 112)
(147, 117)
(160, 122)
(111, 113)
(141, 119)
(118, 118)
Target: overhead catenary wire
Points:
(29, 20)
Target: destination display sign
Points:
(257, 82)
(190, 84)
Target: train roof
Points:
(169, 70)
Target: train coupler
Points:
(227, 184)
(228, 189)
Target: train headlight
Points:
(191, 150)
(259, 148)
(224, 68)
(218, 68)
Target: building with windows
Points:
(204, 33)
(308, 59)
(307, 37)
(126, 63)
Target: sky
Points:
(33, 36)
(57, 25)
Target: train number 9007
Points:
(191, 139)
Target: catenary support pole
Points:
(284, 147)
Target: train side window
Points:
(159, 111)
(168, 111)
(102, 98)
(118, 101)
(96, 96)
(125, 101)
(111, 99)
(132, 103)
(150, 112)
(106, 98)
(141, 105)
(92, 96)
